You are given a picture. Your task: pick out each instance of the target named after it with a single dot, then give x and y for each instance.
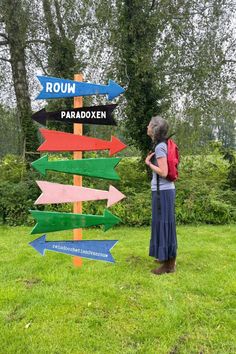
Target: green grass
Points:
(48, 306)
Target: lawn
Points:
(48, 306)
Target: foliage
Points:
(200, 67)
(167, 54)
(197, 125)
(230, 156)
(61, 51)
(134, 40)
(173, 57)
(208, 201)
(12, 169)
(17, 190)
(14, 203)
(14, 23)
(10, 134)
(204, 191)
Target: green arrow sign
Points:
(100, 168)
(48, 221)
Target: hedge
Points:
(204, 191)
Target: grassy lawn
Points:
(48, 306)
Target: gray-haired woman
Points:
(163, 243)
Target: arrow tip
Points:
(40, 164)
(114, 196)
(110, 220)
(116, 146)
(39, 244)
(114, 89)
(110, 245)
(40, 117)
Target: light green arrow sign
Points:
(101, 168)
(48, 221)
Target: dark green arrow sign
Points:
(48, 221)
(100, 168)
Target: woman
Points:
(163, 243)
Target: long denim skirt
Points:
(163, 243)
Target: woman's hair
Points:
(159, 128)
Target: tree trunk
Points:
(15, 19)
(135, 38)
(61, 55)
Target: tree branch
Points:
(4, 35)
(232, 44)
(3, 42)
(153, 5)
(59, 19)
(38, 61)
(49, 21)
(229, 61)
(36, 41)
(92, 25)
(5, 59)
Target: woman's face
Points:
(149, 129)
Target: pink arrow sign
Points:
(60, 141)
(63, 193)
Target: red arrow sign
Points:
(60, 141)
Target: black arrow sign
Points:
(85, 115)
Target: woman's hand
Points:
(148, 158)
(161, 169)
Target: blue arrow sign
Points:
(97, 250)
(54, 87)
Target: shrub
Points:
(12, 169)
(14, 203)
(203, 192)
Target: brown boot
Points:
(167, 267)
(171, 265)
(162, 270)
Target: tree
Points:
(177, 55)
(174, 57)
(135, 39)
(14, 19)
(201, 70)
(9, 132)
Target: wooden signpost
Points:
(77, 207)
(56, 141)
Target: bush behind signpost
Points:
(204, 191)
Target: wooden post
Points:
(78, 129)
